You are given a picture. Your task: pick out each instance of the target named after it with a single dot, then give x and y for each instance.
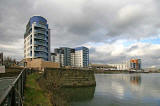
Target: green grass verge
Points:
(33, 94)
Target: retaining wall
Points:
(69, 77)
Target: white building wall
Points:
(62, 59)
(73, 59)
(79, 58)
(27, 45)
(120, 66)
(57, 58)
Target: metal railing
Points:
(14, 94)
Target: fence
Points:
(13, 96)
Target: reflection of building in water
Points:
(79, 94)
(136, 80)
(67, 95)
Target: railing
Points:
(13, 96)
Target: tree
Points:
(9, 61)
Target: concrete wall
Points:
(2, 69)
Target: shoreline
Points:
(120, 72)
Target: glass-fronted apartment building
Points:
(37, 39)
(62, 55)
(74, 57)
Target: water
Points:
(119, 90)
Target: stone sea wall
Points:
(69, 77)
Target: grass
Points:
(33, 94)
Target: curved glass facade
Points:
(37, 19)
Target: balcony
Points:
(41, 49)
(41, 55)
(41, 26)
(39, 37)
(39, 31)
(40, 43)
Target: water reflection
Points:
(124, 90)
(80, 94)
(65, 96)
(135, 80)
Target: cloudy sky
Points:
(114, 30)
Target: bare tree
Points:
(9, 61)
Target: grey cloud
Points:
(76, 23)
(81, 22)
(150, 56)
(132, 48)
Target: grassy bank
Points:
(34, 95)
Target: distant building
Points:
(53, 56)
(66, 56)
(102, 67)
(120, 66)
(135, 64)
(1, 59)
(151, 69)
(74, 57)
(62, 55)
(37, 39)
(81, 57)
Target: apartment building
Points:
(37, 39)
(62, 55)
(74, 57)
(135, 64)
(81, 57)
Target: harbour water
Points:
(120, 90)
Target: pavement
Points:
(4, 84)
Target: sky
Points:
(113, 30)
